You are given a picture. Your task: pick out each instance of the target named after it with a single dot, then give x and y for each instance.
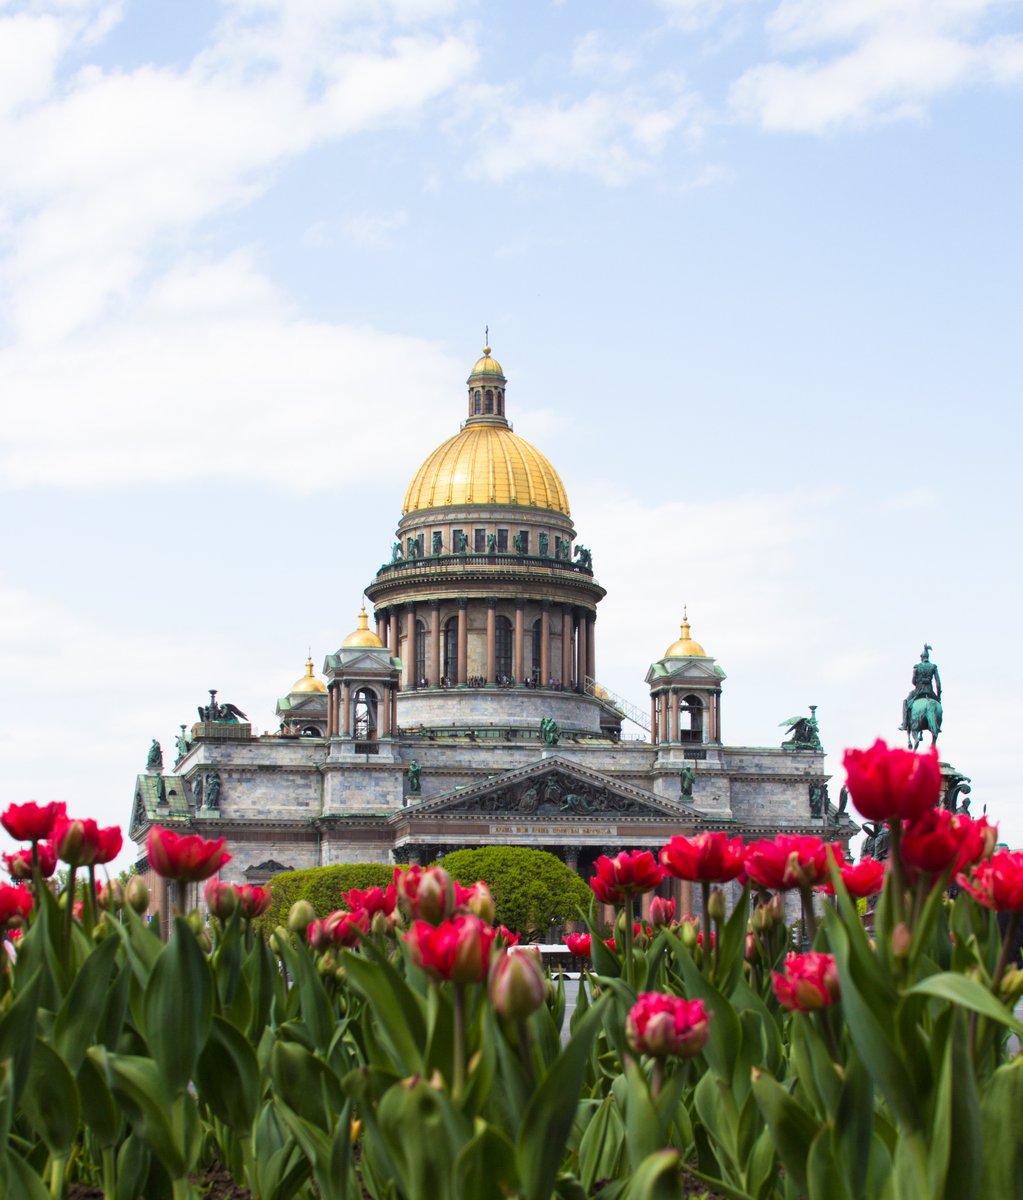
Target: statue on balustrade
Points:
(545, 544)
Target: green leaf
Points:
(227, 1076)
(132, 1167)
(99, 1112)
(551, 1111)
(825, 1179)
(956, 1173)
(722, 1049)
(642, 1128)
(316, 1009)
(1001, 1106)
(657, 1177)
(22, 1181)
(791, 1125)
(17, 1030)
(854, 1125)
(601, 1151)
(75, 1028)
(279, 1168)
(394, 1009)
(306, 1084)
(178, 1007)
(50, 1099)
(329, 1155)
(485, 1168)
(959, 989)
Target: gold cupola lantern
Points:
(685, 647)
(308, 682)
(363, 635)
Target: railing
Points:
(627, 709)
(513, 563)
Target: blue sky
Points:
(752, 270)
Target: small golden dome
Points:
(486, 464)
(685, 647)
(308, 682)
(486, 366)
(363, 636)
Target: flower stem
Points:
(898, 881)
(705, 922)
(809, 916)
(526, 1052)
(458, 1082)
(657, 1079)
(69, 914)
(627, 935)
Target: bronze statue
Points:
(921, 709)
(805, 732)
(438, 543)
(491, 543)
(182, 743)
(584, 556)
(414, 785)
(550, 731)
(545, 542)
(213, 788)
(818, 800)
(226, 713)
(686, 779)
(197, 790)
(843, 802)
(517, 543)
(154, 759)
(396, 552)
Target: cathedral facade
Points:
(468, 710)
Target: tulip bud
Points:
(662, 912)
(902, 940)
(221, 899)
(195, 922)
(481, 902)
(354, 1129)
(777, 907)
(205, 941)
(688, 931)
(278, 940)
(300, 916)
(716, 905)
(762, 919)
(327, 964)
(517, 984)
(111, 897)
(1011, 987)
(339, 974)
(137, 894)
(751, 947)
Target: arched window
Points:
(420, 652)
(477, 402)
(451, 649)
(489, 405)
(690, 719)
(503, 645)
(309, 731)
(364, 725)
(500, 403)
(536, 659)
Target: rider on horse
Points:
(926, 685)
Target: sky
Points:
(752, 270)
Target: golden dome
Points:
(486, 464)
(486, 366)
(685, 647)
(363, 636)
(308, 682)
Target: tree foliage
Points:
(323, 887)
(532, 890)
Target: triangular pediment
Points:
(552, 787)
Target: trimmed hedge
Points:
(532, 889)
(322, 887)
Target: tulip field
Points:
(407, 1047)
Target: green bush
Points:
(532, 889)
(322, 887)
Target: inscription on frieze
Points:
(541, 831)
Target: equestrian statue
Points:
(921, 709)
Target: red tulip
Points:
(710, 857)
(663, 1025)
(790, 861)
(373, 900)
(186, 858)
(15, 905)
(32, 822)
(253, 900)
(221, 899)
(892, 784)
(625, 875)
(662, 912)
(458, 949)
(425, 894)
(77, 842)
(579, 944)
(810, 981)
(998, 882)
(866, 878)
(19, 863)
(940, 840)
(505, 937)
(110, 842)
(477, 900)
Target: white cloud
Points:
(613, 136)
(209, 375)
(374, 229)
(858, 62)
(593, 55)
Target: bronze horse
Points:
(924, 715)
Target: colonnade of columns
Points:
(666, 716)
(398, 625)
(341, 700)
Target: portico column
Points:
(716, 715)
(566, 646)
(520, 624)
(491, 640)
(653, 718)
(392, 633)
(545, 643)
(385, 712)
(463, 643)
(676, 735)
(591, 648)
(435, 643)
(382, 627)
(581, 658)
(346, 709)
(332, 711)
(572, 858)
(664, 717)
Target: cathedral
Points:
(467, 710)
